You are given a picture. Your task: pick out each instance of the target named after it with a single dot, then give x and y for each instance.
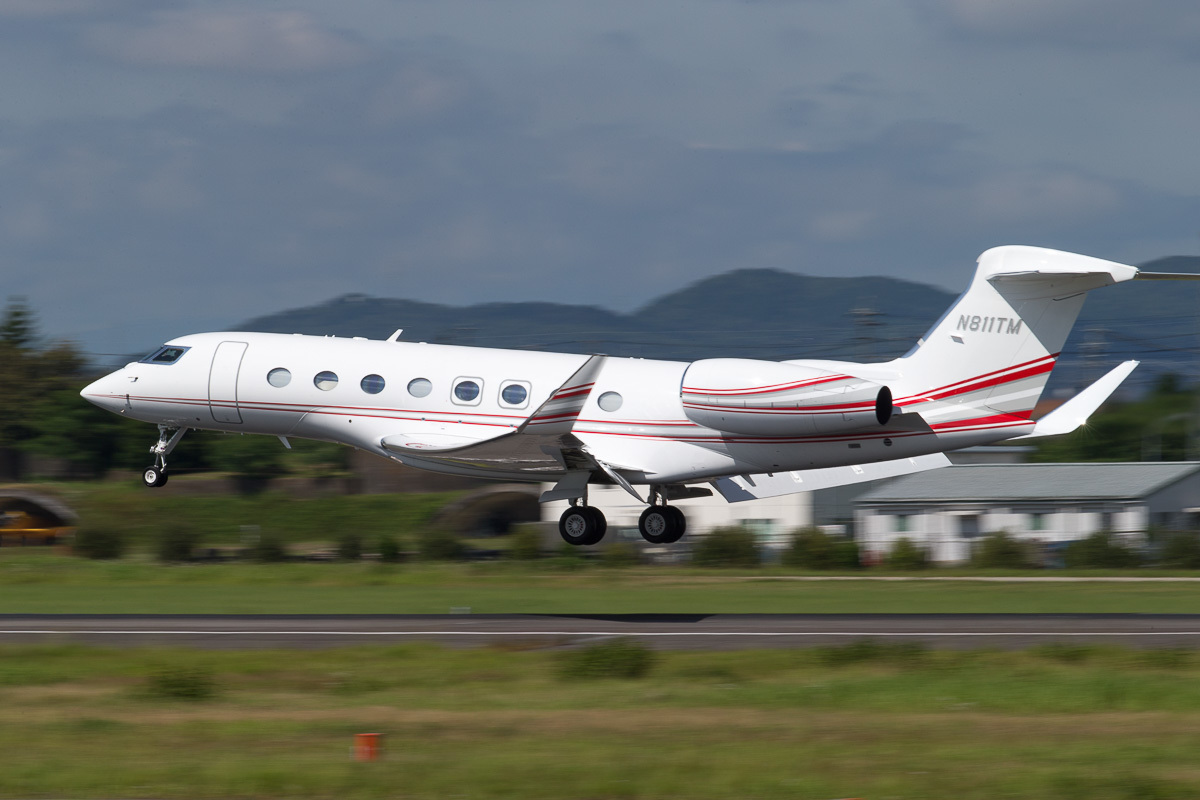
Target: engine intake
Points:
(769, 398)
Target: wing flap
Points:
(755, 487)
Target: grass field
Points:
(855, 721)
(38, 582)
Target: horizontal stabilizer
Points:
(755, 487)
(1075, 412)
(1167, 276)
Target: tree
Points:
(18, 328)
(1101, 550)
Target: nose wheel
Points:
(156, 474)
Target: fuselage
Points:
(358, 392)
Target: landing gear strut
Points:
(661, 523)
(156, 474)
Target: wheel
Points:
(662, 524)
(153, 476)
(601, 524)
(678, 524)
(582, 525)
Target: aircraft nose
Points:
(106, 393)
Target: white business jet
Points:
(748, 428)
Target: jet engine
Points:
(770, 398)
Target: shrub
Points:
(99, 541)
(906, 555)
(177, 542)
(187, 682)
(812, 548)
(349, 546)
(734, 546)
(1100, 550)
(871, 650)
(616, 658)
(619, 554)
(389, 549)
(1181, 550)
(1000, 551)
(269, 548)
(439, 545)
(526, 543)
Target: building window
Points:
(901, 523)
(372, 384)
(420, 387)
(279, 377)
(1037, 521)
(325, 380)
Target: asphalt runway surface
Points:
(665, 631)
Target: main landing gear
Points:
(659, 523)
(156, 474)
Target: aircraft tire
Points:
(679, 524)
(153, 476)
(662, 524)
(581, 525)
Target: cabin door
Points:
(223, 380)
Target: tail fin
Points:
(994, 349)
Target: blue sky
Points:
(168, 167)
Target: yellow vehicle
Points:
(29, 519)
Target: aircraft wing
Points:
(541, 444)
(755, 487)
(1075, 412)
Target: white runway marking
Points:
(596, 633)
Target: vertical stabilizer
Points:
(993, 351)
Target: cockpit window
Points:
(167, 354)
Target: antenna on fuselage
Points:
(395, 337)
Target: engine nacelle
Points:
(769, 398)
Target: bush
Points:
(1000, 551)
(187, 682)
(389, 549)
(269, 548)
(906, 555)
(812, 548)
(526, 543)
(1101, 550)
(734, 546)
(1181, 550)
(439, 545)
(99, 541)
(619, 554)
(616, 658)
(871, 650)
(350, 546)
(178, 542)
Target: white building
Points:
(945, 510)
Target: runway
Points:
(665, 631)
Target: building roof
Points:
(984, 482)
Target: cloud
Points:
(258, 41)
(1092, 23)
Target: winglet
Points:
(1075, 412)
(558, 414)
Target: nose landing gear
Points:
(156, 474)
